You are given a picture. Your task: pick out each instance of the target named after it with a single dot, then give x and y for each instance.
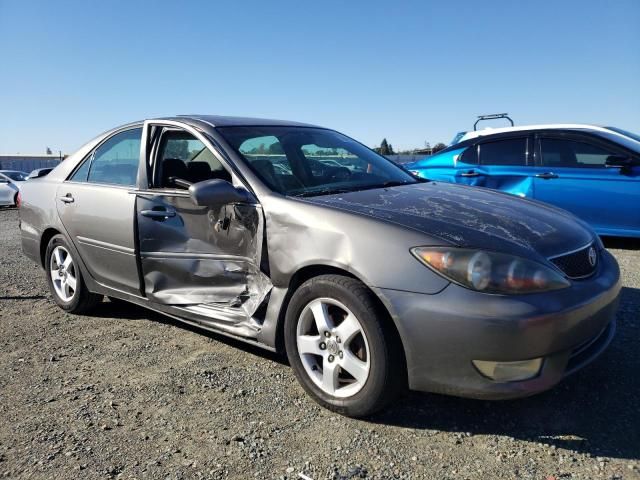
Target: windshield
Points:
(16, 176)
(303, 161)
(626, 133)
(624, 138)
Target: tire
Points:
(15, 200)
(73, 297)
(375, 348)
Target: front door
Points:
(572, 175)
(505, 165)
(97, 210)
(206, 259)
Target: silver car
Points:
(10, 181)
(370, 279)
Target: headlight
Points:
(490, 272)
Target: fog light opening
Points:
(509, 371)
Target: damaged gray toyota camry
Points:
(301, 240)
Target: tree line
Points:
(386, 148)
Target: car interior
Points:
(185, 160)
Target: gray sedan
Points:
(371, 281)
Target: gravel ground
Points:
(126, 393)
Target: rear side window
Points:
(81, 173)
(115, 162)
(559, 152)
(512, 151)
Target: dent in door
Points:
(204, 256)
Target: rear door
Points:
(205, 260)
(572, 174)
(97, 210)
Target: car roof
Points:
(520, 128)
(230, 121)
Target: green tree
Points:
(385, 148)
(439, 146)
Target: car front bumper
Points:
(444, 333)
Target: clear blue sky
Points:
(407, 71)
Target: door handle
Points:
(158, 214)
(470, 173)
(546, 175)
(68, 198)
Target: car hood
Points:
(469, 217)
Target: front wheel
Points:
(65, 279)
(341, 346)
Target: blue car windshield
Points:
(306, 161)
(628, 139)
(626, 133)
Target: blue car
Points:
(593, 172)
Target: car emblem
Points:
(593, 258)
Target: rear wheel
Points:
(65, 279)
(341, 346)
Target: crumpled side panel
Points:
(203, 256)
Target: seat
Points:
(173, 168)
(268, 173)
(199, 171)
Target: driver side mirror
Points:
(4, 180)
(619, 161)
(215, 192)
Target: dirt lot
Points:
(127, 393)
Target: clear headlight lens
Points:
(490, 272)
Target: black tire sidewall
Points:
(370, 397)
(59, 241)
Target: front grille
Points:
(579, 264)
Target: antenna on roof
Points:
(492, 116)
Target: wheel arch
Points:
(310, 271)
(45, 238)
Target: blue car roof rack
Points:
(492, 116)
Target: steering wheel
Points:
(340, 174)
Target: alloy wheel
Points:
(63, 273)
(333, 347)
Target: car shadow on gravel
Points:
(621, 243)
(130, 311)
(595, 411)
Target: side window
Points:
(512, 151)
(558, 152)
(81, 173)
(470, 155)
(184, 157)
(115, 162)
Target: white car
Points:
(10, 181)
